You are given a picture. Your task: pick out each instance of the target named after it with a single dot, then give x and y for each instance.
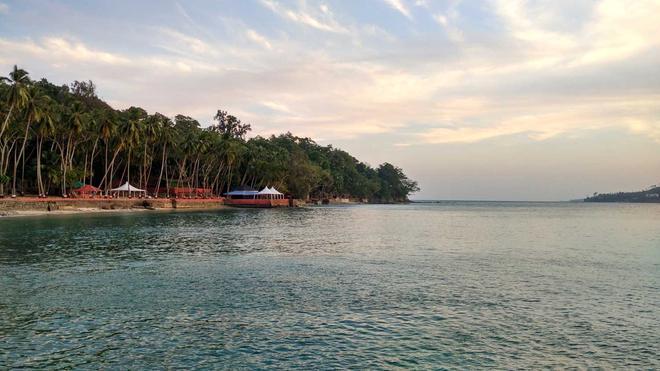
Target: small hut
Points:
(86, 191)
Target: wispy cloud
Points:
(542, 121)
(533, 78)
(4, 8)
(615, 31)
(401, 7)
(259, 39)
(453, 32)
(324, 22)
(60, 48)
(181, 43)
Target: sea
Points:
(448, 285)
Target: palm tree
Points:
(18, 93)
(45, 127)
(231, 153)
(149, 132)
(77, 119)
(91, 132)
(7, 145)
(166, 133)
(107, 129)
(130, 138)
(33, 111)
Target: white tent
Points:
(266, 191)
(127, 188)
(275, 191)
(270, 193)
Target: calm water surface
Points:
(452, 285)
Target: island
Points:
(651, 195)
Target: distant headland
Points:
(651, 195)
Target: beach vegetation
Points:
(53, 137)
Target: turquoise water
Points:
(451, 285)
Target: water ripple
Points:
(453, 286)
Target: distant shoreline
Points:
(487, 201)
(649, 196)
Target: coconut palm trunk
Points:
(6, 122)
(40, 183)
(162, 167)
(20, 156)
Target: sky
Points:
(476, 100)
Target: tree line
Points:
(55, 138)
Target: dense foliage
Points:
(53, 138)
(650, 195)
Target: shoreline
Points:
(28, 206)
(29, 213)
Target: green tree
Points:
(18, 95)
(395, 186)
(230, 126)
(67, 126)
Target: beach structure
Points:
(249, 197)
(270, 194)
(127, 190)
(86, 191)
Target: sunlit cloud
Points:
(453, 32)
(259, 39)
(542, 121)
(614, 31)
(480, 94)
(324, 22)
(400, 7)
(181, 43)
(62, 49)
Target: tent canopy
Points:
(275, 191)
(267, 191)
(127, 188)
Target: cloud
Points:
(259, 39)
(400, 7)
(615, 31)
(324, 22)
(277, 107)
(536, 77)
(453, 32)
(650, 128)
(4, 8)
(181, 43)
(619, 31)
(60, 48)
(544, 120)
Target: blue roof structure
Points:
(242, 193)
